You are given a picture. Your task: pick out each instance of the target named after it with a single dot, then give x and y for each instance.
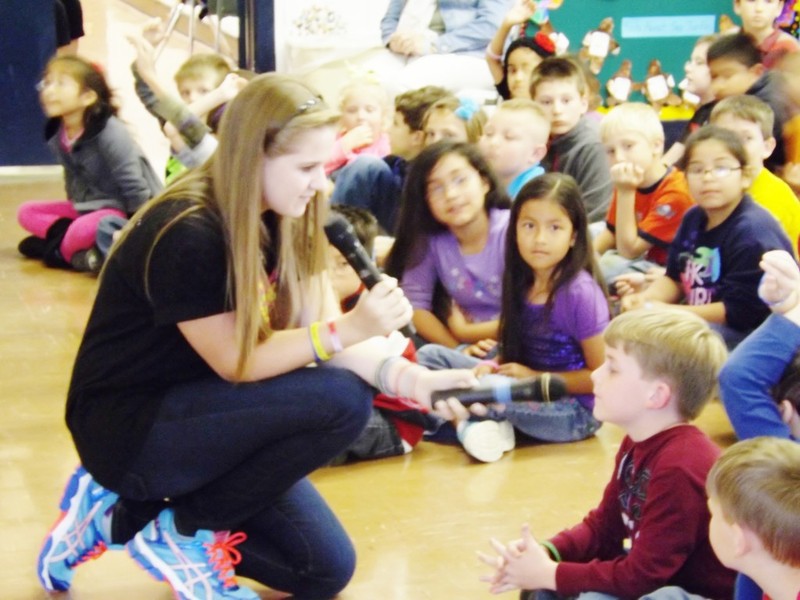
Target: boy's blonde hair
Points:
(633, 116)
(675, 345)
(198, 65)
(757, 485)
(530, 109)
(747, 108)
(558, 68)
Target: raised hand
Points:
(780, 284)
(521, 11)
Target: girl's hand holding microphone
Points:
(380, 310)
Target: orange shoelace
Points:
(223, 555)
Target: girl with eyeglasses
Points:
(105, 172)
(712, 268)
(450, 238)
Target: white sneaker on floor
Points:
(486, 441)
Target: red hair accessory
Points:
(545, 42)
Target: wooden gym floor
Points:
(416, 520)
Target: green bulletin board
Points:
(644, 29)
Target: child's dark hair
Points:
(788, 387)
(518, 277)
(540, 43)
(364, 224)
(90, 78)
(726, 137)
(413, 104)
(415, 221)
(739, 47)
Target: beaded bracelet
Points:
(336, 341)
(316, 343)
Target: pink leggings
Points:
(36, 217)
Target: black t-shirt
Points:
(132, 351)
(700, 117)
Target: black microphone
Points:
(343, 237)
(544, 388)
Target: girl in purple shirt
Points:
(450, 237)
(554, 311)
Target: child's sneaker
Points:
(486, 441)
(80, 533)
(198, 567)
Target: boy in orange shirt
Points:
(649, 199)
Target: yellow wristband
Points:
(316, 342)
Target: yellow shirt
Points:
(774, 194)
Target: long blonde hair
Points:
(263, 121)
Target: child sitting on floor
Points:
(650, 529)
(754, 499)
(649, 198)
(561, 87)
(512, 73)
(553, 316)
(712, 268)
(105, 172)
(364, 105)
(514, 141)
(396, 424)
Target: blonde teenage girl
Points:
(191, 403)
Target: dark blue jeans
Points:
(368, 182)
(235, 457)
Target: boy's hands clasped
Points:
(519, 565)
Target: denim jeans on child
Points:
(670, 592)
(565, 420)
(368, 182)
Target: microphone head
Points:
(341, 233)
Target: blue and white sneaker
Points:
(198, 567)
(79, 534)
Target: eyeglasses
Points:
(54, 82)
(438, 189)
(718, 172)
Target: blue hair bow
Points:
(466, 108)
